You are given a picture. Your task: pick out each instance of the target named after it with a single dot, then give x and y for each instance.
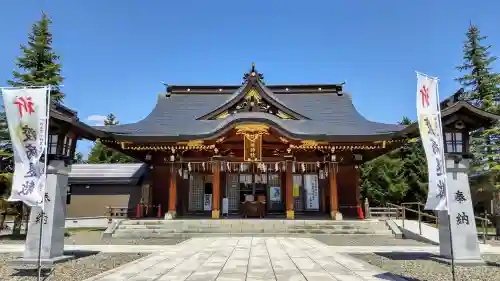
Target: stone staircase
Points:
(248, 227)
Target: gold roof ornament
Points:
(255, 128)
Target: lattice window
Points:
(260, 178)
(246, 178)
(196, 192)
(298, 200)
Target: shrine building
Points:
(272, 150)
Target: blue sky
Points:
(116, 53)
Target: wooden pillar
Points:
(334, 200)
(290, 214)
(216, 190)
(172, 193)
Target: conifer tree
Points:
(481, 88)
(38, 65)
(102, 154)
(480, 83)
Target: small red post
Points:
(138, 211)
(159, 211)
(360, 213)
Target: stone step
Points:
(242, 234)
(248, 221)
(255, 227)
(174, 228)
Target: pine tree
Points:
(481, 88)
(102, 154)
(480, 83)
(39, 63)
(405, 121)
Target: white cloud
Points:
(98, 120)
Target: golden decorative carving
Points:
(222, 115)
(253, 94)
(253, 102)
(220, 140)
(252, 128)
(192, 143)
(283, 140)
(283, 115)
(252, 140)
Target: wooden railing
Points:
(415, 210)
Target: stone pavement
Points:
(19, 248)
(246, 258)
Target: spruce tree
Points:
(479, 82)
(102, 154)
(481, 88)
(38, 65)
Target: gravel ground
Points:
(421, 267)
(366, 240)
(92, 237)
(84, 266)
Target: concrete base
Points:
(336, 216)
(170, 215)
(215, 214)
(52, 261)
(290, 214)
(461, 262)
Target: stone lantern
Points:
(457, 226)
(64, 131)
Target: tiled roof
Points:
(329, 114)
(106, 173)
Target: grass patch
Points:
(84, 229)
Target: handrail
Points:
(422, 204)
(485, 222)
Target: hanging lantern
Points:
(228, 166)
(293, 167)
(317, 164)
(180, 172)
(203, 166)
(189, 166)
(303, 167)
(276, 167)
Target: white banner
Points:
(311, 187)
(26, 111)
(431, 134)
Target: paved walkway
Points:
(19, 248)
(246, 258)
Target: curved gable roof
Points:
(329, 114)
(266, 94)
(320, 113)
